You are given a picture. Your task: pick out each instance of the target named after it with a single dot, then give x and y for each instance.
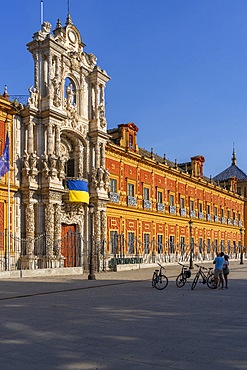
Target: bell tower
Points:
(63, 137)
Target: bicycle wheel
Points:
(161, 282)
(180, 281)
(154, 278)
(210, 281)
(195, 282)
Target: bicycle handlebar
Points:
(201, 267)
(183, 265)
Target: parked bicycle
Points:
(159, 280)
(206, 278)
(183, 276)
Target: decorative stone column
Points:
(27, 260)
(30, 229)
(50, 147)
(58, 259)
(49, 227)
(30, 137)
(57, 140)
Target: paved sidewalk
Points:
(120, 322)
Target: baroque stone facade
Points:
(63, 136)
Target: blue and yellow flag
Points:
(4, 159)
(78, 191)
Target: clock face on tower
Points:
(72, 36)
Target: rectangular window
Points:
(182, 242)
(200, 245)
(208, 209)
(130, 141)
(113, 242)
(228, 214)
(159, 197)
(208, 245)
(113, 185)
(70, 168)
(171, 244)
(191, 205)
(131, 190)
(160, 243)
(215, 211)
(200, 207)
(182, 203)
(171, 200)
(146, 238)
(131, 242)
(146, 193)
(222, 212)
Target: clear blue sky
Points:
(178, 68)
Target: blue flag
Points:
(4, 159)
(78, 191)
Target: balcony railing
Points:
(131, 201)
(239, 223)
(223, 220)
(216, 219)
(160, 207)
(172, 210)
(229, 221)
(201, 215)
(147, 204)
(193, 214)
(234, 222)
(209, 217)
(114, 197)
(183, 212)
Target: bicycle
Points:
(159, 280)
(183, 276)
(206, 278)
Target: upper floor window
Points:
(159, 197)
(200, 207)
(146, 194)
(130, 141)
(113, 185)
(70, 168)
(131, 190)
(215, 211)
(191, 205)
(171, 200)
(208, 209)
(182, 203)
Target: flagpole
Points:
(8, 245)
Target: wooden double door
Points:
(71, 247)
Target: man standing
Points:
(218, 271)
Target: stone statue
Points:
(33, 98)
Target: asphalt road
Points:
(120, 322)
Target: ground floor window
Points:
(131, 242)
(146, 243)
(113, 242)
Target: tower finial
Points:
(234, 159)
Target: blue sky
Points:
(178, 68)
